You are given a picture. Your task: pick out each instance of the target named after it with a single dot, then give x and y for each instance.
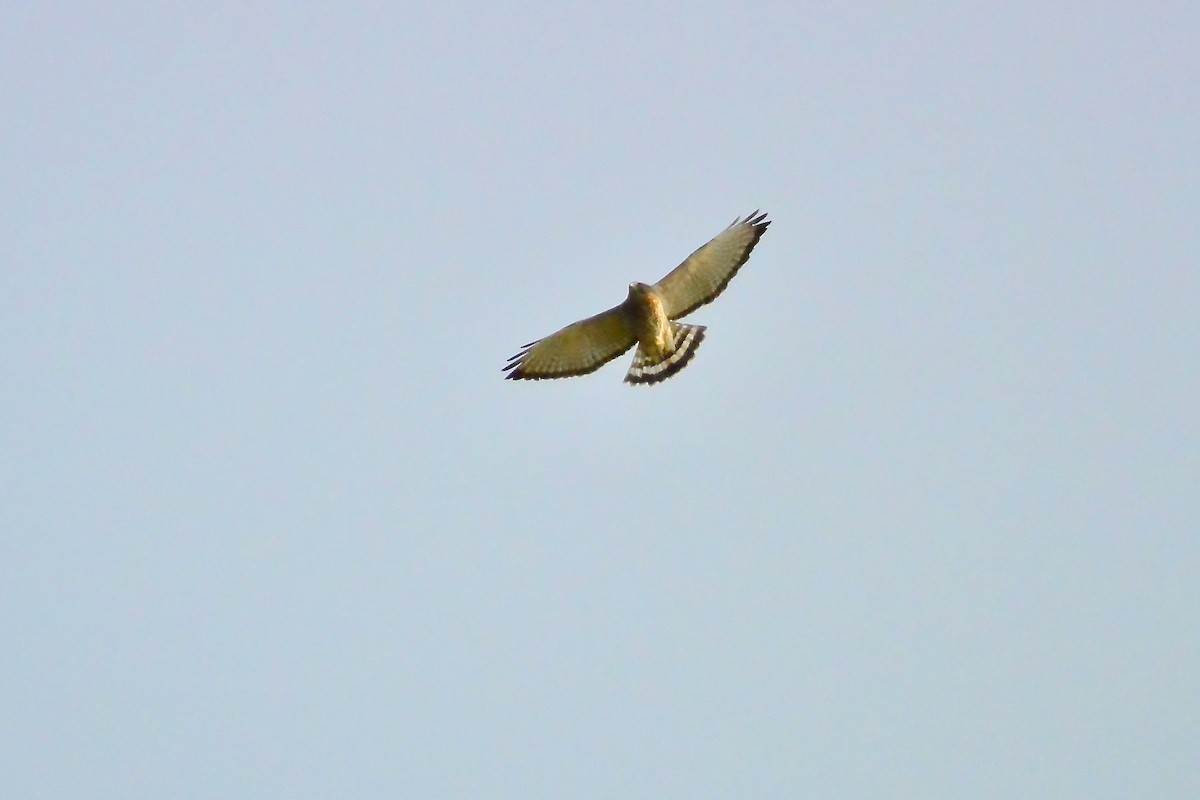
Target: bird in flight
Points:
(646, 317)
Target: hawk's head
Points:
(638, 289)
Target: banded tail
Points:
(647, 368)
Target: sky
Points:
(919, 520)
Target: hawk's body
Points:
(646, 318)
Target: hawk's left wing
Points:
(579, 348)
(706, 272)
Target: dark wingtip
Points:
(516, 362)
(756, 218)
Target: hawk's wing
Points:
(706, 272)
(579, 348)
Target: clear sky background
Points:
(921, 520)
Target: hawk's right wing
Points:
(706, 272)
(577, 349)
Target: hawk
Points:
(646, 317)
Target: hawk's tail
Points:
(648, 369)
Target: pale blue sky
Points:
(919, 521)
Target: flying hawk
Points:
(646, 317)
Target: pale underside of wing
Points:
(577, 349)
(706, 272)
